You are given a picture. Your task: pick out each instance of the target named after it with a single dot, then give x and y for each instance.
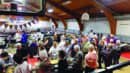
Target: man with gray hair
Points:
(78, 58)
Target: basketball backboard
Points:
(22, 7)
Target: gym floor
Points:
(124, 69)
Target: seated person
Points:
(62, 64)
(43, 53)
(6, 59)
(22, 66)
(107, 55)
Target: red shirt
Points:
(91, 59)
(32, 61)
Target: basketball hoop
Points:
(85, 17)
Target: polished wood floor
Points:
(125, 69)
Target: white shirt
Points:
(43, 54)
(36, 36)
(53, 51)
(22, 68)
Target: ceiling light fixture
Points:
(102, 11)
(50, 10)
(21, 1)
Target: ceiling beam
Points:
(53, 16)
(109, 8)
(55, 23)
(53, 20)
(68, 11)
(64, 23)
(43, 18)
(108, 14)
(81, 26)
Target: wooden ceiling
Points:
(67, 9)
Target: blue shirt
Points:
(24, 38)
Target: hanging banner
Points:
(25, 25)
(16, 26)
(6, 25)
(33, 21)
(21, 26)
(1, 23)
(10, 26)
(29, 23)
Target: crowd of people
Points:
(84, 53)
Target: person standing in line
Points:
(107, 55)
(78, 59)
(100, 47)
(62, 64)
(53, 52)
(33, 48)
(21, 50)
(116, 52)
(91, 60)
(18, 36)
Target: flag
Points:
(21, 26)
(29, 23)
(25, 25)
(33, 21)
(10, 26)
(16, 26)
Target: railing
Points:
(110, 69)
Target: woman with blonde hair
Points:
(91, 60)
